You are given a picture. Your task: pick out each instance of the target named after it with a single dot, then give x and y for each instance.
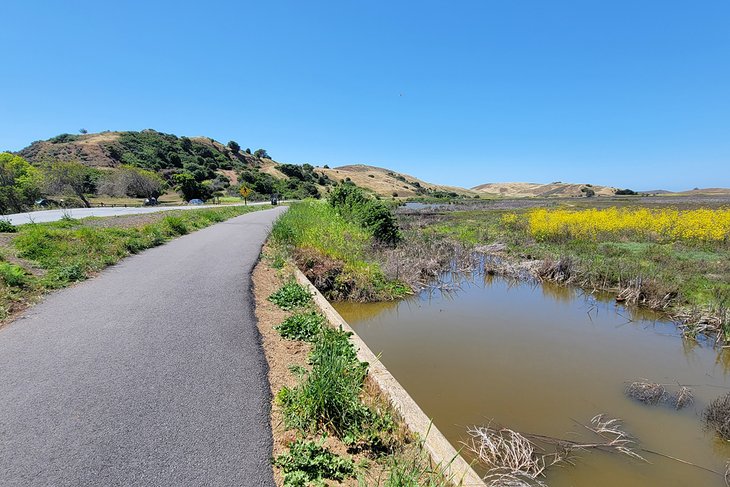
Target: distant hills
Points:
(556, 189)
(212, 161)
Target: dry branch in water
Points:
(520, 459)
(683, 397)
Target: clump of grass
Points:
(302, 326)
(717, 416)
(329, 396)
(12, 275)
(176, 225)
(413, 469)
(310, 461)
(291, 296)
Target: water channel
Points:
(542, 359)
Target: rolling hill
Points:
(557, 189)
(210, 160)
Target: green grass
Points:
(315, 229)
(69, 250)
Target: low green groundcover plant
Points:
(302, 326)
(291, 296)
(310, 463)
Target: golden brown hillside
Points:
(386, 182)
(557, 189)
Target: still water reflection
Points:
(540, 358)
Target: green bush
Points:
(302, 326)
(12, 274)
(6, 226)
(290, 296)
(371, 214)
(310, 461)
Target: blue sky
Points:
(627, 93)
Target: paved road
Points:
(54, 215)
(150, 374)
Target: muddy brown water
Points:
(541, 359)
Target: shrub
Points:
(717, 416)
(261, 154)
(369, 213)
(302, 326)
(12, 274)
(310, 461)
(6, 226)
(234, 146)
(290, 296)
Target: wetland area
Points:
(544, 359)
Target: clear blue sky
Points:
(626, 93)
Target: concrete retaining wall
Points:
(442, 452)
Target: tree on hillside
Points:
(133, 182)
(190, 188)
(20, 183)
(248, 151)
(233, 145)
(71, 177)
(83, 131)
(261, 154)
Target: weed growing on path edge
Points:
(309, 461)
(329, 396)
(302, 326)
(291, 296)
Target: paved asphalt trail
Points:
(152, 373)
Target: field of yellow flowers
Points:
(710, 226)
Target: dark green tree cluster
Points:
(371, 214)
(154, 150)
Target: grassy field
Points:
(669, 258)
(38, 258)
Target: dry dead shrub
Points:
(646, 292)
(420, 261)
(717, 416)
(646, 392)
(520, 460)
(562, 270)
(321, 270)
